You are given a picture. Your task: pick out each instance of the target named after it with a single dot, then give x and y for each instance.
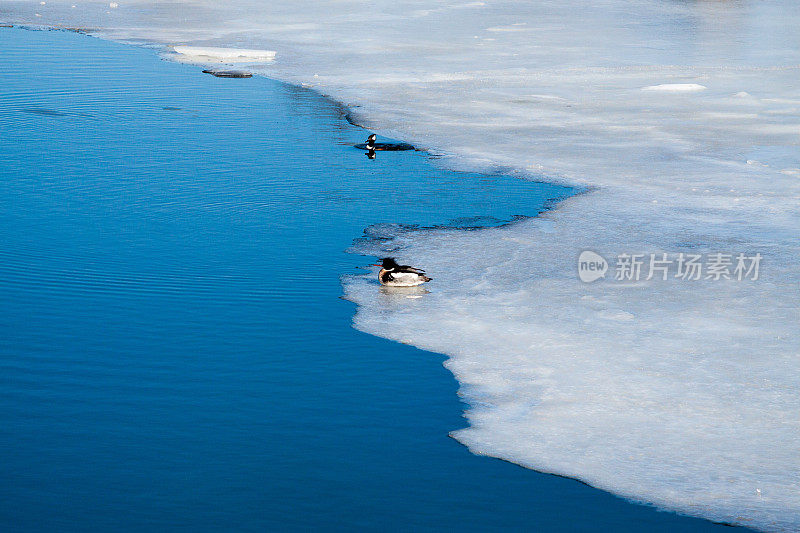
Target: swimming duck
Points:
(394, 275)
(371, 146)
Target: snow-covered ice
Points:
(211, 54)
(676, 87)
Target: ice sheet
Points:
(683, 394)
(213, 54)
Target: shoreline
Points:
(346, 114)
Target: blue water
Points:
(174, 351)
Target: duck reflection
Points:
(399, 294)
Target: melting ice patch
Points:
(210, 54)
(676, 87)
(678, 393)
(683, 394)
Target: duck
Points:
(370, 145)
(394, 275)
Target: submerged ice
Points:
(682, 119)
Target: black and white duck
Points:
(394, 275)
(371, 142)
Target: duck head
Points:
(388, 263)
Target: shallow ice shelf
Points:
(208, 54)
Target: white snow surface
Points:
(212, 54)
(677, 393)
(676, 87)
